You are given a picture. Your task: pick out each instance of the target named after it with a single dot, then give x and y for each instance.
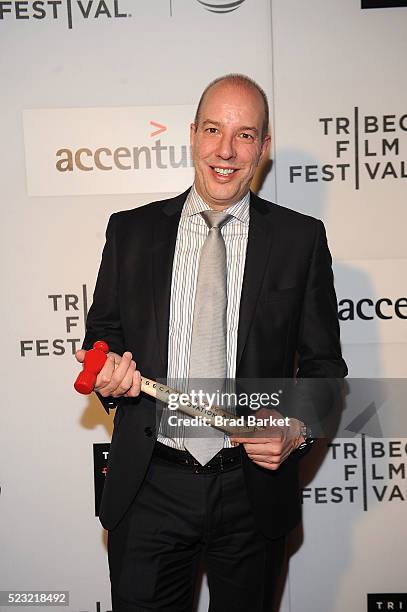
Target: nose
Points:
(226, 149)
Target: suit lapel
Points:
(257, 256)
(164, 239)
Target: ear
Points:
(192, 131)
(265, 145)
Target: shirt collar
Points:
(194, 205)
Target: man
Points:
(165, 505)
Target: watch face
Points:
(307, 442)
(308, 433)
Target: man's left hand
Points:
(270, 450)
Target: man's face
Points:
(227, 143)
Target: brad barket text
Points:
(233, 421)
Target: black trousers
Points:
(177, 518)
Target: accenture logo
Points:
(125, 157)
(220, 6)
(85, 151)
(367, 309)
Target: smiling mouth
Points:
(223, 171)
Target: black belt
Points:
(226, 459)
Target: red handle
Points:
(94, 361)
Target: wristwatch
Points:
(307, 435)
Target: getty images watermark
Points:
(211, 401)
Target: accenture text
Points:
(106, 159)
(366, 309)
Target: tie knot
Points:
(215, 218)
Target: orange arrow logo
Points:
(161, 128)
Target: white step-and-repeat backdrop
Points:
(96, 101)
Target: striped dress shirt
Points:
(192, 232)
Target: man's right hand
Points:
(118, 377)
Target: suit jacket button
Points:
(148, 431)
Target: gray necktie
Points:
(208, 342)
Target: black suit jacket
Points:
(288, 308)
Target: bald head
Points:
(241, 81)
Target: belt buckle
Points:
(210, 467)
(215, 466)
(196, 465)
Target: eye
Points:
(246, 136)
(211, 130)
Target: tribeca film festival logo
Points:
(100, 457)
(373, 471)
(220, 6)
(368, 470)
(382, 602)
(70, 11)
(376, 4)
(362, 148)
(73, 11)
(73, 310)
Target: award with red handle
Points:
(94, 361)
